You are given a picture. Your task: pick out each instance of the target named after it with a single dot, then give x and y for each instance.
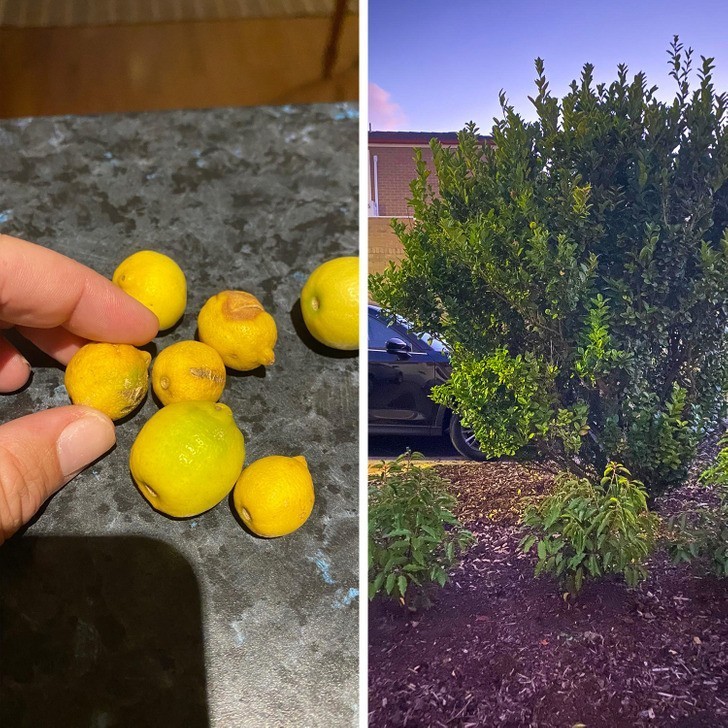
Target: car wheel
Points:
(464, 441)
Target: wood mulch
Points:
(500, 648)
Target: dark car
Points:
(403, 369)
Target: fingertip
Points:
(14, 375)
(143, 322)
(83, 410)
(14, 368)
(151, 324)
(85, 439)
(41, 452)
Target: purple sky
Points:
(433, 65)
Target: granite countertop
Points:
(113, 614)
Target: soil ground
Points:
(500, 648)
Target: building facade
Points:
(391, 170)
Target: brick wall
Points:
(395, 170)
(384, 246)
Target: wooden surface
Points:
(55, 13)
(94, 69)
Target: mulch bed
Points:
(500, 648)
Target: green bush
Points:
(414, 539)
(577, 267)
(586, 531)
(701, 535)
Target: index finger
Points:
(42, 289)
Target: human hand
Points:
(57, 304)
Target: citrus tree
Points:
(577, 267)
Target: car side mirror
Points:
(397, 346)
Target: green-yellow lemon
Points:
(187, 457)
(113, 378)
(274, 496)
(156, 281)
(330, 303)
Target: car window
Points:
(427, 340)
(379, 333)
(433, 343)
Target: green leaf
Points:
(431, 532)
(402, 585)
(389, 585)
(398, 532)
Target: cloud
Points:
(385, 114)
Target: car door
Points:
(401, 375)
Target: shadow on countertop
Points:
(99, 631)
(316, 346)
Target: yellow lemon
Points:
(155, 280)
(330, 303)
(187, 456)
(274, 495)
(235, 324)
(188, 370)
(113, 378)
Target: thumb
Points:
(41, 452)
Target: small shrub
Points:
(414, 539)
(701, 535)
(583, 530)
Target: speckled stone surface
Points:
(115, 615)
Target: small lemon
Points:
(330, 303)
(187, 456)
(155, 280)
(235, 324)
(113, 378)
(188, 370)
(274, 495)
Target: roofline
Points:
(418, 138)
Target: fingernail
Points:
(84, 440)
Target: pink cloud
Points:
(385, 114)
